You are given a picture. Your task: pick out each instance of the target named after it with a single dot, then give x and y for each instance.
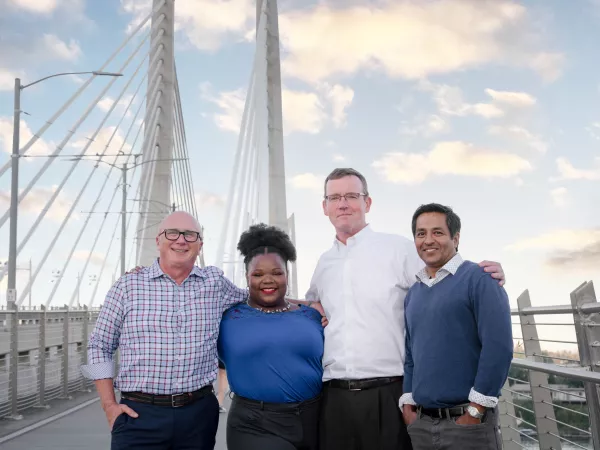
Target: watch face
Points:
(474, 412)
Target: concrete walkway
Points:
(82, 429)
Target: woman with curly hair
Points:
(272, 350)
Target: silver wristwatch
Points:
(474, 412)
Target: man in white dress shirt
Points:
(361, 282)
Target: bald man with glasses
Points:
(165, 320)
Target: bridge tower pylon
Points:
(257, 192)
(158, 145)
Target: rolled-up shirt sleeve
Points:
(104, 340)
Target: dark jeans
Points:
(273, 426)
(189, 427)
(427, 433)
(363, 420)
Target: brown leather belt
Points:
(173, 401)
(361, 385)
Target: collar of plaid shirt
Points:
(155, 271)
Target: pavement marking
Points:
(41, 423)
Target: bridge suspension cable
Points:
(257, 186)
(80, 239)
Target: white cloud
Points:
(6, 137)
(35, 6)
(340, 98)
(206, 199)
(520, 133)
(106, 103)
(409, 40)
(450, 101)
(436, 124)
(566, 171)
(7, 80)
(59, 49)
(549, 65)
(303, 111)
(566, 249)
(205, 23)
(337, 157)
(449, 158)
(308, 181)
(102, 139)
(429, 126)
(559, 197)
(37, 198)
(487, 110)
(516, 99)
(231, 104)
(565, 239)
(594, 130)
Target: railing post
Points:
(42, 360)
(84, 344)
(13, 375)
(65, 361)
(542, 398)
(508, 423)
(587, 329)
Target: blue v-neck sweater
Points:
(458, 337)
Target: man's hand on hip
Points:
(409, 413)
(115, 410)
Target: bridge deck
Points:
(84, 428)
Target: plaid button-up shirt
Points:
(167, 333)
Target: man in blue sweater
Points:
(458, 342)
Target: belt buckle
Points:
(173, 397)
(350, 383)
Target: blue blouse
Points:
(275, 358)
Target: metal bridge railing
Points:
(41, 352)
(551, 398)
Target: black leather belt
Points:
(361, 385)
(174, 400)
(277, 407)
(442, 413)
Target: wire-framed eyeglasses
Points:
(349, 197)
(172, 235)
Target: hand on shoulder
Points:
(495, 270)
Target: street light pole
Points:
(11, 293)
(30, 282)
(123, 219)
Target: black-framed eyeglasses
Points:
(172, 235)
(349, 197)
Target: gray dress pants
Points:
(427, 433)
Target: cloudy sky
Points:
(488, 106)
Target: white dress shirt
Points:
(362, 286)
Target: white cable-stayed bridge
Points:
(123, 152)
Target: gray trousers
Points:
(427, 433)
